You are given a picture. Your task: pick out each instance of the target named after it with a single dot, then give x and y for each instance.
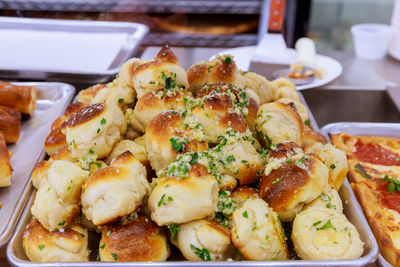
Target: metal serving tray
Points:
(52, 100)
(352, 210)
(364, 128)
(66, 50)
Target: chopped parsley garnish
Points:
(41, 247)
(114, 255)
(194, 159)
(102, 246)
(394, 185)
(244, 214)
(307, 123)
(174, 229)
(178, 145)
(360, 169)
(263, 123)
(228, 60)
(98, 164)
(325, 197)
(289, 161)
(161, 200)
(269, 141)
(327, 225)
(203, 254)
(61, 223)
(103, 121)
(277, 180)
(230, 159)
(152, 82)
(316, 223)
(264, 152)
(121, 100)
(98, 130)
(69, 188)
(245, 162)
(333, 166)
(91, 151)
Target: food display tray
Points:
(365, 128)
(66, 50)
(352, 210)
(52, 100)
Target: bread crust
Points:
(22, 98)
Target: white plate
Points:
(332, 68)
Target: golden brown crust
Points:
(85, 115)
(139, 239)
(22, 98)
(10, 124)
(242, 193)
(166, 55)
(54, 141)
(197, 75)
(72, 108)
(87, 95)
(223, 70)
(5, 166)
(310, 136)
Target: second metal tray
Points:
(365, 128)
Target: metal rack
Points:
(139, 6)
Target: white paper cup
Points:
(371, 40)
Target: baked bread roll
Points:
(115, 92)
(5, 166)
(258, 233)
(10, 124)
(86, 96)
(277, 122)
(204, 240)
(138, 151)
(246, 162)
(57, 199)
(323, 234)
(295, 183)
(63, 153)
(167, 136)
(266, 90)
(245, 102)
(335, 159)
(95, 128)
(300, 108)
(310, 137)
(127, 69)
(115, 191)
(222, 69)
(21, 98)
(243, 193)
(54, 141)
(286, 89)
(153, 103)
(329, 199)
(162, 72)
(138, 239)
(183, 200)
(42, 245)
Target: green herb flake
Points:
(289, 161)
(230, 159)
(228, 60)
(277, 180)
(103, 121)
(393, 184)
(177, 145)
(307, 123)
(244, 214)
(245, 162)
(102, 246)
(91, 151)
(161, 200)
(174, 229)
(327, 225)
(69, 188)
(120, 101)
(61, 223)
(114, 255)
(360, 169)
(98, 130)
(41, 247)
(203, 254)
(316, 223)
(333, 166)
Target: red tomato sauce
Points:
(390, 201)
(375, 154)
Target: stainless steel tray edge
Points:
(352, 209)
(365, 128)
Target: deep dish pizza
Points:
(374, 170)
(208, 160)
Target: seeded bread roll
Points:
(329, 199)
(286, 89)
(323, 234)
(10, 124)
(162, 72)
(138, 239)
(207, 236)
(257, 232)
(277, 122)
(86, 96)
(21, 98)
(5, 166)
(95, 128)
(153, 103)
(296, 181)
(183, 200)
(167, 136)
(42, 245)
(59, 185)
(335, 159)
(115, 191)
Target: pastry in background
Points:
(10, 124)
(22, 98)
(5, 166)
